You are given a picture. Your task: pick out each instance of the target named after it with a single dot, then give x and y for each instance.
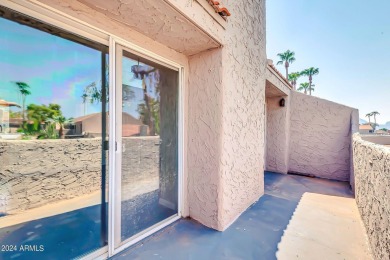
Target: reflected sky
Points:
(56, 69)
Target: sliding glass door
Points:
(147, 144)
(78, 178)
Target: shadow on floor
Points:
(255, 234)
(72, 234)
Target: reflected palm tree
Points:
(24, 91)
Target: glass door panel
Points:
(53, 127)
(147, 124)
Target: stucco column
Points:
(226, 119)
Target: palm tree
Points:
(287, 57)
(310, 72)
(304, 87)
(61, 121)
(24, 91)
(374, 114)
(293, 77)
(369, 115)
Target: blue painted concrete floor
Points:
(255, 234)
(75, 233)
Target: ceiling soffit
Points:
(158, 21)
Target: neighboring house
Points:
(381, 132)
(15, 124)
(4, 115)
(366, 129)
(91, 125)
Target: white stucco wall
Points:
(320, 137)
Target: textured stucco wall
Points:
(205, 128)
(227, 119)
(244, 64)
(372, 191)
(277, 135)
(320, 137)
(36, 172)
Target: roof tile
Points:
(219, 8)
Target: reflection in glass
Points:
(53, 118)
(149, 144)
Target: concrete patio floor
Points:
(297, 218)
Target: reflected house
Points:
(366, 129)
(4, 115)
(91, 125)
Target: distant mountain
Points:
(362, 121)
(387, 126)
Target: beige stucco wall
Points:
(278, 135)
(244, 63)
(320, 137)
(310, 136)
(205, 128)
(372, 189)
(226, 129)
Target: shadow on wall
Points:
(310, 136)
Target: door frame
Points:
(115, 150)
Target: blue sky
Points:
(348, 40)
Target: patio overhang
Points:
(276, 85)
(160, 21)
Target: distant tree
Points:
(384, 129)
(287, 58)
(15, 114)
(374, 114)
(369, 115)
(310, 72)
(93, 95)
(24, 91)
(293, 77)
(304, 87)
(39, 115)
(61, 121)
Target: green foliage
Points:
(49, 132)
(287, 56)
(293, 77)
(154, 114)
(15, 114)
(23, 88)
(42, 121)
(41, 113)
